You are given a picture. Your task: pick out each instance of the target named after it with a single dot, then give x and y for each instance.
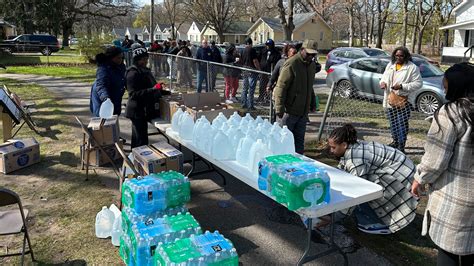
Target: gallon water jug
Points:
(197, 133)
(235, 138)
(242, 154)
(274, 144)
(275, 128)
(234, 119)
(207, 138)
(176, 119)
(287, 141)
(117, 231)
(248, 117)
(221, 147)
(219, 120)
(104, 220)
(196, 129)
(260, 133)
(244, 123)
(258, 151)
(259, 120)
(186, 127)
(267, 125)
(106, 109)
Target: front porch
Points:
(463, 45)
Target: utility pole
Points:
(152, 30)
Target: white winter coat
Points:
(408, 76)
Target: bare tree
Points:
(382, 14)
(405, 22)
(425, 12)
(173, 10)
(286, 21)
(217, 14)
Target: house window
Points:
(303, 35)
(268, 35)
(321, 36)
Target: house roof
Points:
(298, 20)
(134, 31)
(184, 28)
(119, 31)
(198, 25)
(4, 23)
(463, 3)
(465, 25)
(162, 26)
(239, 27)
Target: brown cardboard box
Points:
(207, 104)
(19, 153)
(169, 105)
(105, 131)
(174, 157)
(98, 158)
(146, 160)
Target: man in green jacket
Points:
(294, 95)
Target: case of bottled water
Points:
(294, 180)
(205, 249)
(156, 192)
(146, 235)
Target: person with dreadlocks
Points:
(448, 168)
(383, 165)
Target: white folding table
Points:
(346, 190)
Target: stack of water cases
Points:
(205, 249)
(154, 212)
(294, 180)
(156, 224)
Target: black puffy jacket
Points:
(142, 96)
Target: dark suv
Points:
(28, 43)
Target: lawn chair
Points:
(14, 222)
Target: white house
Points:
(131, 32)
(194, 32)
(463, 34)
(161, 31)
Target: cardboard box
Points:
(98, 158)
(146, 160)
(208, 104)
(19, 153)
(105, 131)
(169, 105)
(174, 157)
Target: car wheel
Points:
(344, 89)
(427, 103)
(46, 51)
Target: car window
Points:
(427, 70)
(382, 66)
(22, 38)
(375, 52)
(366, 65)
(354, 54)
(338, 53)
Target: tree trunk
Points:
(379, 24)
(351, 24)
(372, 25)
(152, 21)
(405, 23)
(366, 23)
(67, 29)
(287, 24)
(415, 29)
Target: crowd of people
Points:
(447, 167)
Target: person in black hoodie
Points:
(268, 60)
(143, 94)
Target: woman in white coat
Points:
(401, 77)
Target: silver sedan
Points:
(361, 77)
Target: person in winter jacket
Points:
(268, 60)
(231, 75)
(110, 80)
(143, 95)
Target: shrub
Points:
(91, 46)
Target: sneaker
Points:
(234, 99)
(393, 144)
(374, 229)
(228, 101)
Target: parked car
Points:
(431, 61)
(346, 54)
(28, 43)
(73, 41)
(361, 77)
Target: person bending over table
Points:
(383, 165)
(143, 93)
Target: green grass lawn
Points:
(84, 73)
(30, 59)
(61, 203)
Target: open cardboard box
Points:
(208, 104)
(105, 131)
(169, 104)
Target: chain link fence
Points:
(243, 88)
(404, 128)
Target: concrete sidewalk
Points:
(236, 210)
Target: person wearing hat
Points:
(268, 60)
(249, 60)
(110, 80)
(143, 95)
(294, 95)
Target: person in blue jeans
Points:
(249, 60)
(203, 53)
